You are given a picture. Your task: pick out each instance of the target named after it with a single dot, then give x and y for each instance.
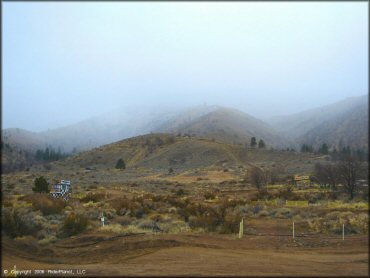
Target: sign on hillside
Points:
(301, 178)
(62, 190)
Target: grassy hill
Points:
(225, 125)
(159, 152)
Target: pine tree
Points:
(120, 164)
(261, 144)
(324, 149)
(253, 142)
(41, 185)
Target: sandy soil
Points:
(195, 255)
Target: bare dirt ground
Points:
(196, 255)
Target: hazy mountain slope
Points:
(17, 149)
(350, 128)
(346, 120)
(185, 118)
(92, 132)
(23, 139)
(326, 124)
(107, 128)
(225, 125)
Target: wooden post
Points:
(293, 231)
(343, 232)
(241, 228)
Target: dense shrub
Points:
(263, 213)
(180, 192)
(20, 222)
(139, 212)
(93, 197)
(243, 210)
(332, 223)
(48, 205)
(209, 195)
(282, 213)
(286, 193)
(125, 220)
(137, 207)
(257, 208)
(263, 194)
(74, 224)
(207, 222)
(149, 225)
(230, 224)
(120, 164)
(40, 185)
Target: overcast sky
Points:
(65, 62)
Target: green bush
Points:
(180, 192)
(41, 185)
(74, 224)
(48, 205)
(20, 222)
(120, 164)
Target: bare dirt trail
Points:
(198, 255)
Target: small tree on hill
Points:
(120, 164)
(259, 177)
(324, 149)
(327, 174)
(253, 142)
(261, 144)
(306, 148)
(41, 185)
(350, 170)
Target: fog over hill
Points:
(226, 125)
(346, 120)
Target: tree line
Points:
(344, 151)
(347, 171)
(261, 143)
(49, 154)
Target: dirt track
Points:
(196, 255)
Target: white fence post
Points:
(241, 228)
(343, 232)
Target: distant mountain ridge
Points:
(341, 123)
(344, 122)
(227, 125)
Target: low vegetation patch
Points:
(17, 222)
(93, 197)
(74, 224)
(48, 205)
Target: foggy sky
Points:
(65, 62)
